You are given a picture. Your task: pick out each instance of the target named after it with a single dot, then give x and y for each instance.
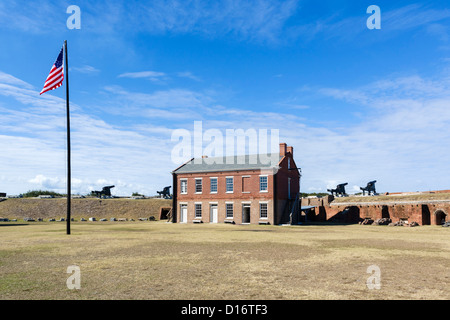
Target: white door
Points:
(214, 214)
(183, 215)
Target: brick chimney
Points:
(290, 150)
(283, 147)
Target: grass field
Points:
(157, 260)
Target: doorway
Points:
(440, 217)
(183, 213)
(246, 213)
(213, 214)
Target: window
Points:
(229, 184)
(289, 163)
(198, 185)
(198, 210)
(213, 185)
(229, 207)
(183, 186)
(263, 183)
(263, 210)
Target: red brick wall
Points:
(423, 214)
(252, 187)
(250, 195)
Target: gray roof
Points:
(231, 163)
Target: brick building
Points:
(240, 189)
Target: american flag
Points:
(56, 76)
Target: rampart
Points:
(421, 211)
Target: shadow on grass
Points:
(13, 224)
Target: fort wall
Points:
(432, 212)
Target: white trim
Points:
(181, 180)
(183, 205)
(217, 185)
(267, 209)
(226, 211)
(201, 184)
(226, 184)
(213, 202)
(267, 183)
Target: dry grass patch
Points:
(156, 260)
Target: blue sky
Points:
(356, 104)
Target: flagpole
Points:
(68, 139)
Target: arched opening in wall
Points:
(440, 217)
(385, 212)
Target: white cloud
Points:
(399, 140)
(188, 75)
(151, 75)
(86, 69)
(9, 79)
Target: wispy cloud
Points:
(86, 69)
(393, 23)
(151, 75)
(404, 123)
(32, 135)
(11, 80)
(262, 20)
(188, 75)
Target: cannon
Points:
(370, 188)
(165, 193)
(106, 192)
(339, 191)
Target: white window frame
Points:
(267, 183)
(267, 209)
(195, 210)
(201, 185)
(181, 185)
(226, 184)
(210, 184)
(226, 210)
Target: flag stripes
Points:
(56, 76)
